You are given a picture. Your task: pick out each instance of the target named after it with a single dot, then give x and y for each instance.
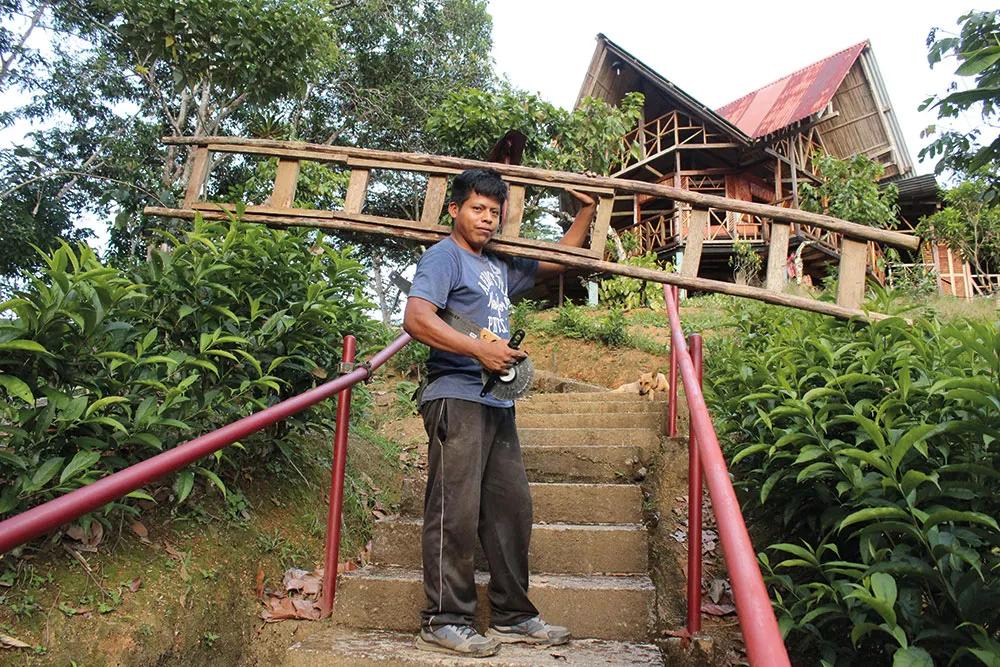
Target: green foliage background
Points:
(103, 367)
(868, 455)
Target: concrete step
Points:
(545, 405)
(559, 548)
(597, 396)
(546, 436)
(345, 647)
(586, 503)
(620, 464)
(619, 608)
(597, 419)
(555, 502)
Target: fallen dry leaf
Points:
(135, 584)
(178, 556)
(716, 589)
(139, 529)
(309, 583)
(87, 538)
(717, 609)
(260, 583)
(366, 554)
(280, 609)
(12, 642)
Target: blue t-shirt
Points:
(478, 287)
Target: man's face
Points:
(476, 220)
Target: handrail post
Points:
(333, 519)
(694, 509)
(672, 405)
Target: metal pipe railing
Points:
(694, 511)
(761, 635)
(672, 404)
(334, 519)
(22, 527)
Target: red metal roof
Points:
(792, 98)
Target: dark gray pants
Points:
(476, 484)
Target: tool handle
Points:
(491, 382)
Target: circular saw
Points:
(516, 382)
(509, 386)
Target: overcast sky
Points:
(719, 50)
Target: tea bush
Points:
(571, 321)
(101, 367)
(869, 455)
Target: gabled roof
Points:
(685, 100)
(794, 97)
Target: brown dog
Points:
(647, 385)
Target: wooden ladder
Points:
(280, 211)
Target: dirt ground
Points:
(185, 592)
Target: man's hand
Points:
(496, 356)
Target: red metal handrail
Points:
(38, 520)
(761, 635)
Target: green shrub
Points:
(745, 263)
(868, 453)
(409, 362)
(101, 368)
(631, 293)
(522, 314)
(572, 322)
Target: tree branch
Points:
(6, 66)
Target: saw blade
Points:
(515, 383)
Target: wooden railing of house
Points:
(280, 211)
(673, 131)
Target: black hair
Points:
(485, 182)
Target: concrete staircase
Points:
(585, 454)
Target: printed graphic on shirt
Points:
(492, 283)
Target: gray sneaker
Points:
(461, 639)
(532, 631)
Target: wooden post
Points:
(357, 188)
(851, 279)
(285, 180)
(697, 222)
(511, 225)
(199, 172)
(777, 256)
(599, 231)
(437, 192)
(795, 172)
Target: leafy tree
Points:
(123, 73)
(968, 224)
(850, 190)
(17, 59)
(976, 48)
(468, 122)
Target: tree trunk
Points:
(379, 286)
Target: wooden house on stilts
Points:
(758, 148)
